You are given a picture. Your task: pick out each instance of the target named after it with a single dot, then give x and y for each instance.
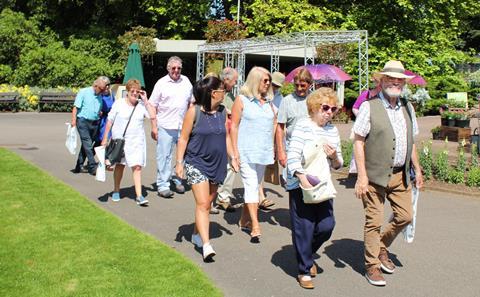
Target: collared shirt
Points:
(397, 120)
(277, 99)
(88, 104)
(171, 99)
(255, 132)
(292, 108)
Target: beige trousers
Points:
(376, 236)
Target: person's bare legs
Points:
(137, 179)
(253, 212)
(117, 177)
(204, 194)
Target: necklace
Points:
(214, 122)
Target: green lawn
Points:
(55, 242)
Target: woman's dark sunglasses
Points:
(326, 108)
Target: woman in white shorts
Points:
(253, 120)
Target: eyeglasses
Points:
(176, 68)
(267, 80)
(326, 108)
(219, 90)
(303, 85)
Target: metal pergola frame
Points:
(236, 50)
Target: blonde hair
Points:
(133, 83)
(252, 83)
(303, 75)
(320, 96)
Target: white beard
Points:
(392, 92)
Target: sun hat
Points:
(278, 79)
(393, 69)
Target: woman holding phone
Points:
(127, 116)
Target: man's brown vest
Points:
(380, 143)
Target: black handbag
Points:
(114, 151)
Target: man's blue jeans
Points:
(87, 130)
(167, 139)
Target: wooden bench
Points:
(55, 97)
(10, 98)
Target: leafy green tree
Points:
(141, 35)
(55, 65)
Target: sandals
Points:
(245, 227)
(255, 235)
(265, 204)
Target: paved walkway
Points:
(442, 261)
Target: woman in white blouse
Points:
(136, 105)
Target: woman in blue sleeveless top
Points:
(202, 154)
(253, 120)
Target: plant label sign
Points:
(460, 97)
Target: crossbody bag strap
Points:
(123, 136)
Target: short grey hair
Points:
(228, 73)
(173, 59)
(105, 79)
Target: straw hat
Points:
(278, 79)
(393, 69)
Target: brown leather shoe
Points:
(305, 282)
(375, 277)
(313, 270)
(386, 265)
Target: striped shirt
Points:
(397, 120)
(305, 131)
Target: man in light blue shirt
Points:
(86, 117)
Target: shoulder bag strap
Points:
(123, 136)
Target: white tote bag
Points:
(71, 142)
(316, 164)
(100, 152)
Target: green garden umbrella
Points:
(134, 65)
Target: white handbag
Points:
(71, 142)
(315, 163)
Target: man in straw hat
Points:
(385, 153)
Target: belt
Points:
(398, 169)
(93, 121)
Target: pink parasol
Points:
(417, 79)
(321, 73)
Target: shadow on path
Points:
(285, 259)
(185, 231)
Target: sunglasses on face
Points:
(303, 85)
(266, 80)
(326, 108)
(176, 68)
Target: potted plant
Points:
(436, 132)
(450, 116)
(443, 118)
(462, 120)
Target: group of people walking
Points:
(218, 135)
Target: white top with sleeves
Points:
(135, 143)
(171, 100)
(307, 131)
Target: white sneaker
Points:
(197, 240)
(208, 252)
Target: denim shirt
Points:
(255, 132)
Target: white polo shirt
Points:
(171, 100)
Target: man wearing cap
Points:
(229, 76)
(385, 153)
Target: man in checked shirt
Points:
(385, 152)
